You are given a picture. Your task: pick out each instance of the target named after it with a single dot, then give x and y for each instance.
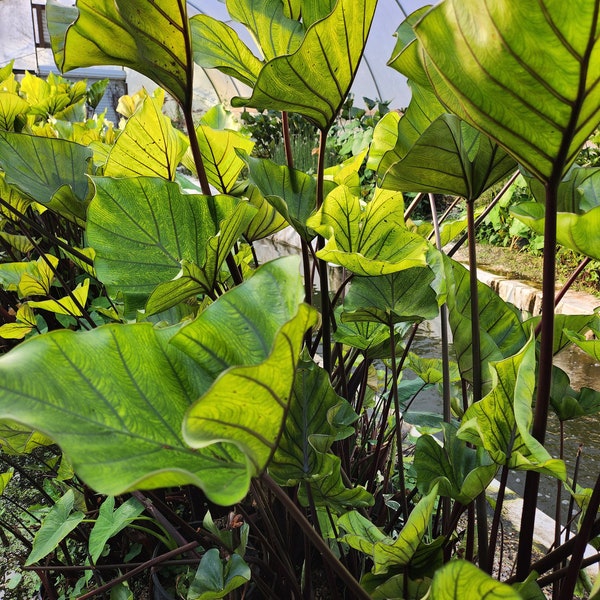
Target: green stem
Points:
(353, 587)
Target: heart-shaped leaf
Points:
(149, 146)
(314, 80)
(58, 523)
(403, 296)
(142, 228)
(501, 421)
(502, 333)
(275, 32)
(462, 580)
(578, 192)
(449, 157)
(115, 398)
(369, 239)
(291, 192)
(11, 106)
(52, 172)
(149, 37)
(214, 580)
(534, 61)
(219, 148)
(461, 473)
(385, 551)
(580, 232)
(218, 46)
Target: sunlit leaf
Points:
(502, 333)
(246, 405)
(115, 398)
(367, 239)
(462, 580)
(149, 37)
(202, 279)
(578, 192)
(501, 421)
(385, 551)
(266, 221)
(449, 157)
(17, 439)
(535, 61)
(317, 418)
(66, 305)
(461, 473)
(218, 147)
(403, 296)
(591, 347)
(149, 146)
(291, 192)
(579, 232)
(37, 278)
(315, 78)
(216, 45)
(142, 228)
(11, 106)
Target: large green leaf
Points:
(216, 45)
(317, 418)
(202, 279)
(403, 296)
(275, 32)
(291, 192)
(149, 37)
(461, 473)
(591, 347)
(580, 232)
(462, 580)
(143, 228)
(52, 172)
(570, 404)
(11, 106)
(247, 404)
(149, 146)
(266, 221)
(501, 421)
(449, 157)
(525, 74)
(219, 146)
(368, 239)
(385, 551)
(315, 78)
(57, 524)
(502, 333)
(115, 398)
(578, 192)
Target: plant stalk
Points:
(540, 418)
(351, 583)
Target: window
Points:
(42, 37)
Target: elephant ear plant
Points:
(182, 380)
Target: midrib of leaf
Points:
(564, 158)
